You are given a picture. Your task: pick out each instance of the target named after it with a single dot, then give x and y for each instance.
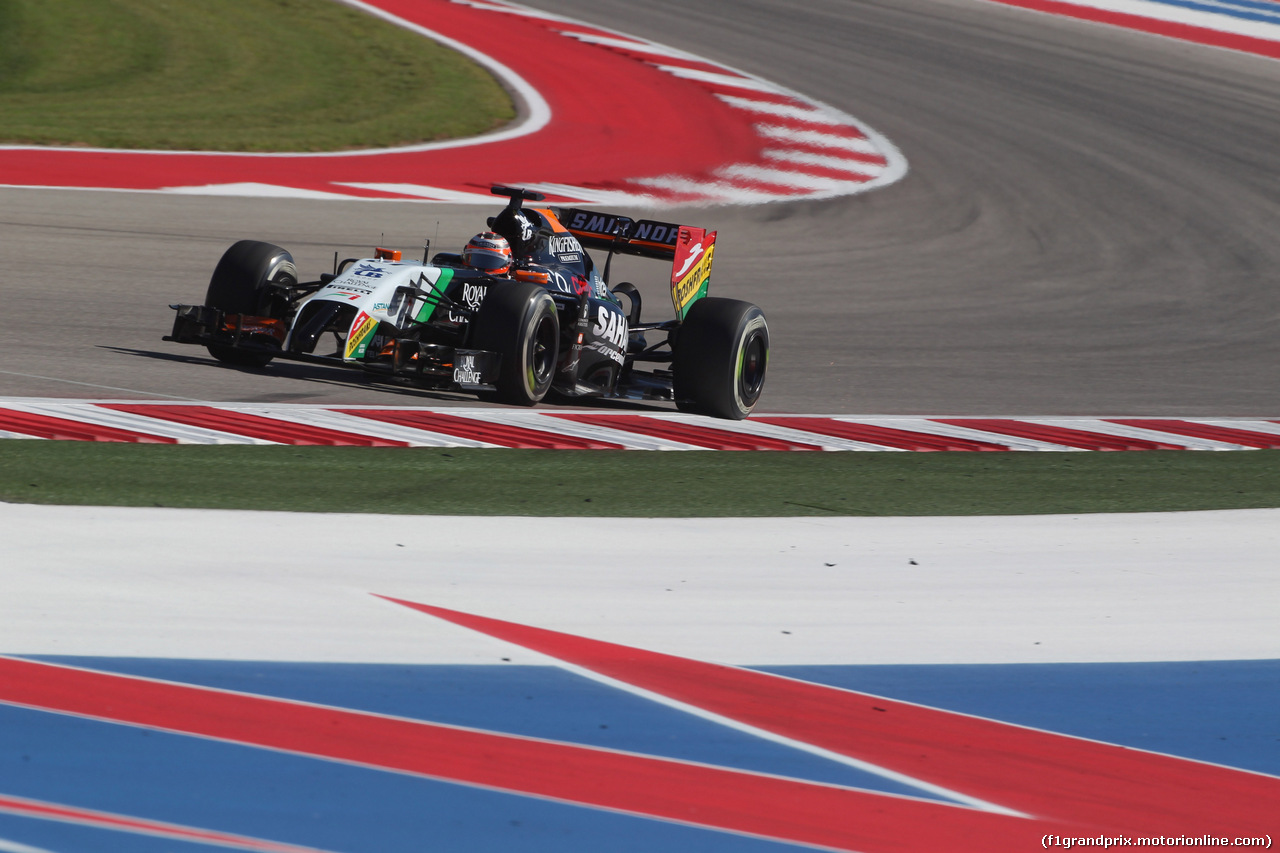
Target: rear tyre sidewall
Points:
(721, 355)
(519, 320)
(238, 286)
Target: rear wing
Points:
(689, 249)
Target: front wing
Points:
(430, 365)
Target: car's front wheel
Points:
(519, 320)
(242, 283)
(721, 354)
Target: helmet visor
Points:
(486, 259)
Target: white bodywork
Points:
(375, 287)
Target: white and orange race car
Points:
(550, 322)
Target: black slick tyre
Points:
(241, 285)
(518, 319)
(721, 354)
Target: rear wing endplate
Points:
(689, 249)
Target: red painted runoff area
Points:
(252, 426)
(885, 436)
(754, 804)
(1065, 436)
(1213, 432)
(46, 426)
(550, 428)
(503, 435)
(656, 125)
(655, 122)
(1055, 780)
(568, 76)
(686, 433)
(138, 790)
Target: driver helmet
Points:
(489, 252)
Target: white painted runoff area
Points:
(180, 583)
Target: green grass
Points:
(632, 483)
(231, 75)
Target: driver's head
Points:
(489, 252)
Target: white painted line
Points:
(253, 190)
(1245, 9)
(949, 794)
(537, 111)
(810, 115)
(548, 423)
(1122, 431)
(43, 378)
(626, 43)
(655, 191)
(8, 846)
(510, 9)
(759, 428)
(804, 158)
(732, 80)
(426, 192)
(754, 175)
(89, 413)
(924, 425)
(326, 419)
(816, 138)
(718, 191)
(1268, 427)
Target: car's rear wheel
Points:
(721, 354)
(242, 284)
(519, 320)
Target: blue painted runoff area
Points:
(1223, 712)
(1249, 10)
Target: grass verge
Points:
(632, 483)
(253, 75)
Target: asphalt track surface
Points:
(1088, 226)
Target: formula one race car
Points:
(548, 322)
